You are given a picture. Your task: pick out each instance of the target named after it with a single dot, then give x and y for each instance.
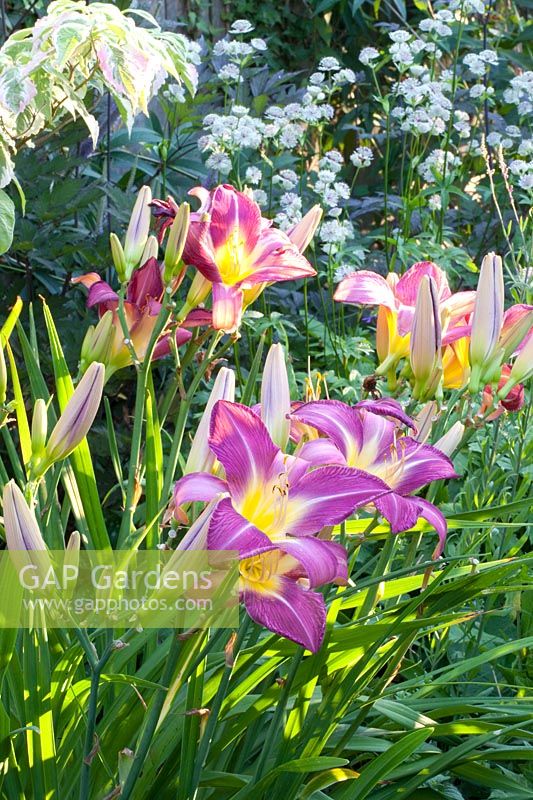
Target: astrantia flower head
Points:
(241, 26)
(362, 157)
(368, 55)
(328, 64)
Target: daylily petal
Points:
(321, 452)
(338, 421)
(88, 279)
(227, 307)
(419, 464)
(407, 287)
(162, 347)
(453, 334)
(303, 232)
(387, 407)
(243, 446)
(228, 530)
(365, 288)
(323, 561)
(401, 512)
(145, 284)
(101, 293)
(458, 305)
(435, 518)
(198, 318)
(198, 250)
(289, 611)
(197, 487)
(234, 214)
(328, 496)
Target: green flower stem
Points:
(216, 705)
(152, 719)
(140, 399)
(96, 665)
(381, 567)
(184, 410)
(270, 738)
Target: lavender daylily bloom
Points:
(357, 437)
(270, 506)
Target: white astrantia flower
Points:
(259, 44)
(241, 26)
(362, 157)
(328, 64)
(317, 78)
(399, 36)
(435, 202)
(462, 123)
(253, 175)
(344, 76)
(526, 181)
(494, 139)
(514, 131)
(432, 168)
(229, 72)
(220, 162)
(343, 272)
(520, 93)
(260, 197)
(368, 55)
(525, 148)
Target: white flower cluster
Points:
(431, 169)
(427, 105)
(522, 172)
(331, 190)
(406, 47)
(281, 127)
(478, 63)
(438, 24)
(520, 93)
(334, 234)
(362, 157)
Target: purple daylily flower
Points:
(359, 437)
(270, 507)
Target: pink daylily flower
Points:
(396, 299)
(363, 437)
(270, 506)
(141, 308)
(238, 250)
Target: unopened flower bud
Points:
(78, 416)
(138, 230)
(117, 254)
(98, 341)
(198, 292)
(176, 242)
(39, 428)
(22, 530)
(275, 396)
(425, 344)
(522, 368)
(151, 249)
(451, 440)
(487, 318)
(201, 457)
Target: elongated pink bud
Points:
(425, 344)
(22, 530)
(487, 318)
(275, 396)
(138, 230)
(303, 231)
(201, 457)
(78, 416)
